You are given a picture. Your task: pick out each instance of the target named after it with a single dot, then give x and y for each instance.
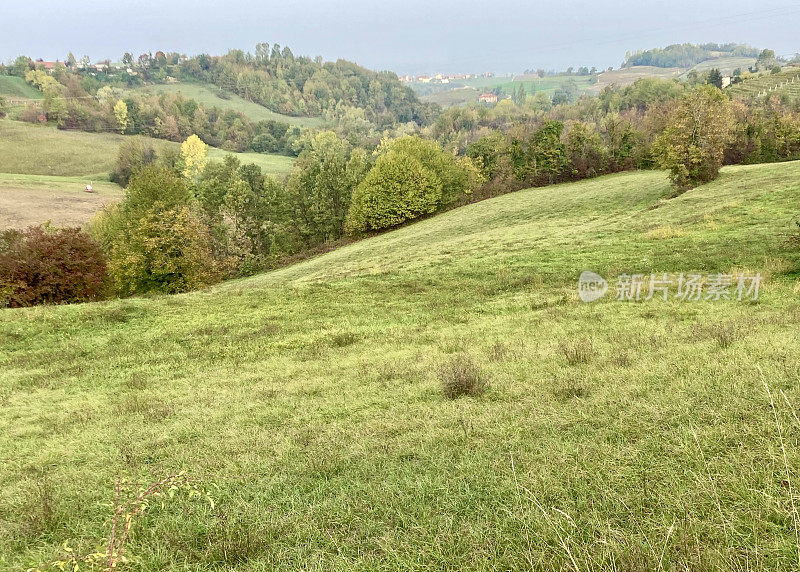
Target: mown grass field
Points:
(27, 200)
(207, 95)
(43, 150)
(614, 435)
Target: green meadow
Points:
(14, 87)
(208, 96)
(43, 150)
(307, 404)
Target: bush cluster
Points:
(40, 265)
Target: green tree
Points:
(486, 151)
(546, 156)
(714, 78)
(458, 176)
(397, 189)
(133, 155)
(586, 154)
(156, 239)
(320, 186)
(691, 146)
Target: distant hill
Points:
(212, 96)
(687, 55)
(627, 76)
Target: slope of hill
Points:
(688, 55)
(211, 98)
(16, 88)
(726, 65)
(306, 400)
(467, 91)
(43, 150)
(787, 83)
(627, 76)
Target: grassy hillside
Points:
(450, 97)
(725, 65)
(613, 436)
(15, 88)
(627, 76)
(43, 150)
(209, 96)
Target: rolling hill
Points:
(306, 401)
(623, 77)
(210, 96)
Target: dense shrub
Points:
(320, 187)
(157, 239)
(586, 155)
(44, 266)
(457, 176)
(397, 189)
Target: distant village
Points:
(443, 77)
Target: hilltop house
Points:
(48, 66)
(487, 98)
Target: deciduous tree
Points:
(692, 145)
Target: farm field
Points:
(307, 403)
(627, 76)
(43, 150)
(207, 95)
(27, 200)
(451, 97)
(548, 84)
(725, 65)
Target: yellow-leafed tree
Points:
(194, 155)
(121, 115)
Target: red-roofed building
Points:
(487, 98)
(49, 66)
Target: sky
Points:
(409, 36)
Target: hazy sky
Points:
(409, 36)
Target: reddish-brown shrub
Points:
(44, 266)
